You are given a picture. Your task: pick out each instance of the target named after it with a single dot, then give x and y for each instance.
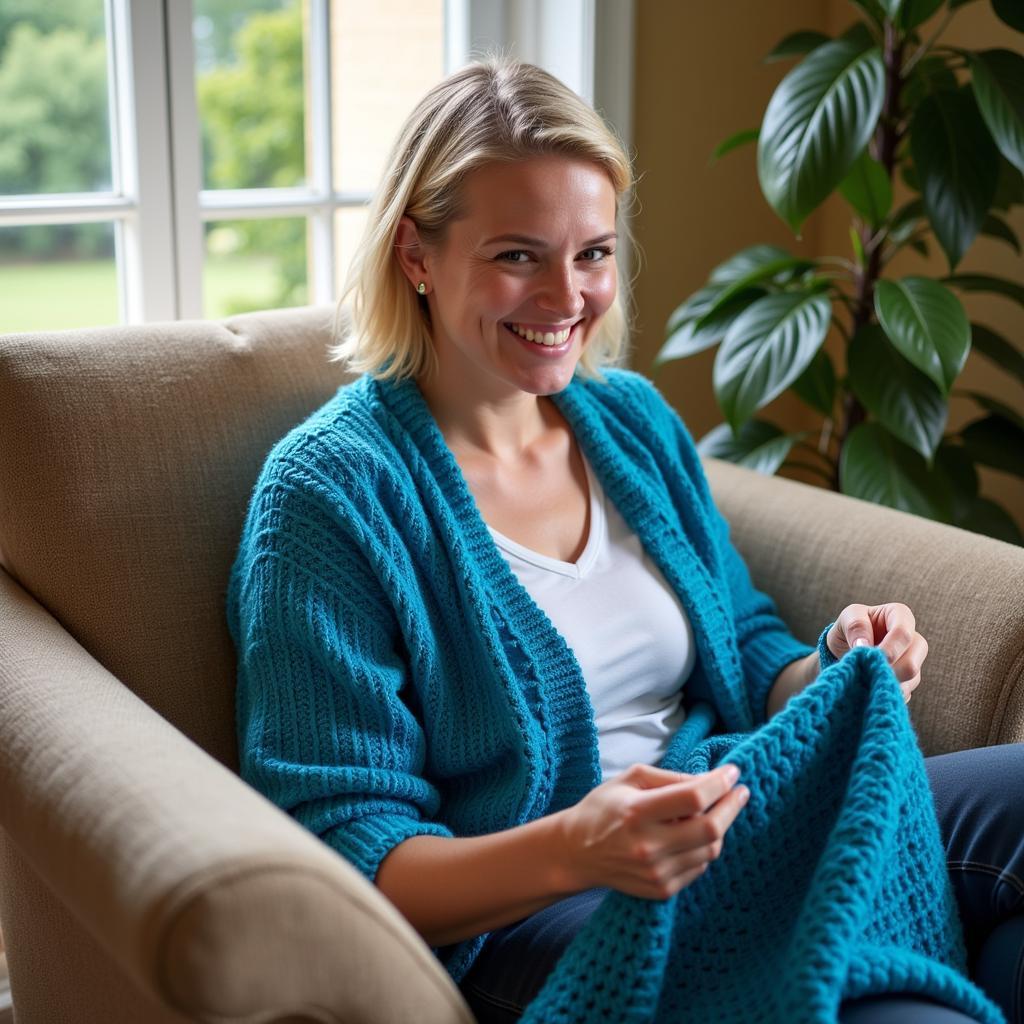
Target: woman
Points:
(483, 603)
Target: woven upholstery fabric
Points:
(832, 884)
(126, 465)
(821, 551)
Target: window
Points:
(195, 159)
(162, 159)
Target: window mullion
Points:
(320, 152)
(141, 160)
(186, 156)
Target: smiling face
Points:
(522, 280)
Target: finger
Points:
(700, 837)
(688, 797)
(908, 664)
(854, 624)
(900, 630)
(671, 882)
(649, 776)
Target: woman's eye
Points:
(597, 254)
(513, 256)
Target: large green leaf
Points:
(874, 10)
(687, 338)
(1010, 190)
(818, 121)
(954, 463)
(693, 307)
(988, 517)
(916, 11)
(746, 269)
(817, 384)
(998, 350)
(927, 324)
(767, 348)
(902, 398)
(996, 227)
(748, 264)
(997, 442)
(1010, 12)
(867, 189)
(998, 81)
(957, 163)
(796, 45)
(987, 283)
(892, 8)
(742, 138)
(759, 445)
(930, 74)
(876, 467)
(993, 405)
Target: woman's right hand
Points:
(650, 832)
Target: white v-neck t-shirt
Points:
(628, 630)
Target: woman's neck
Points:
(504, 428)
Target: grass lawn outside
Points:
(83, 293)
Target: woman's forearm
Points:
(791, 680)
(454, 889)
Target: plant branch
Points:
(886, 140)
(927, 44)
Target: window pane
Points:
(254, 264)
(54, 123)
(349, 222)
(384, 56)
(251, 92)
(54, 276)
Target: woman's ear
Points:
(411, 254)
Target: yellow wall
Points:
(699, 78)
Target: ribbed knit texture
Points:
(395, 679)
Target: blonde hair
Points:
(496, 109)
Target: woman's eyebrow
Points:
(539, 243)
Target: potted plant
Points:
(883, 108)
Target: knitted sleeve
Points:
(324, 727)
(765, 642)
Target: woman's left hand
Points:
(890, 627)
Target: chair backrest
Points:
(127, 458)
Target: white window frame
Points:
(157, 203)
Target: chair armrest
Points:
(205, 894)
(816, 551)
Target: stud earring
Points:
(422, 288)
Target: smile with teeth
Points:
(547, 338)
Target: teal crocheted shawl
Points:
(831, 884)
(395, 679)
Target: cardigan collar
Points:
(563, 702)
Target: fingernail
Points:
(732, 773)
(860, 643)
(743, 793)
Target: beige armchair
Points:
(142, 880)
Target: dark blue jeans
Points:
(979, 798)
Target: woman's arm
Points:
(791, 680)
(648, 832)
(892, 627)
(454, 889)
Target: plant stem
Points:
(927, 44)
(886, 141)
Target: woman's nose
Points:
(560, 292)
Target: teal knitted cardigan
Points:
(395, 679)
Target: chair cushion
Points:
(128, 459)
